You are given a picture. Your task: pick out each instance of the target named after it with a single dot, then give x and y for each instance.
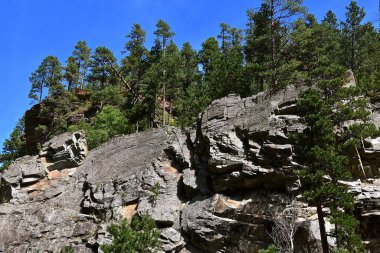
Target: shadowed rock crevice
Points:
(5, 192)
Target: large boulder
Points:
(67, 150)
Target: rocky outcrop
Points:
(212, 189)
(67, 150)
(33, 135)
(42, 120)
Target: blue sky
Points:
(31, 30)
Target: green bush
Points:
(270, 249)
(108, 123)
(109, 95)
(13, 147)
(141, 236)
(67, 249)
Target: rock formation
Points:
(220, 184)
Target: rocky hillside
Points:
(221, 184)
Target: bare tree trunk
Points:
(163, 107)
(322, 229)
(154, 111)
(261, 84)
(170, 111)
(40, 94)
(352, 63)
(164, 101)
(273, 66)
(360, 163)
(285, 228)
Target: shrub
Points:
(141, 236)
(108, 123)
(67, 249)
(270, 249)
(110, 95)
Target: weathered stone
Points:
(65, 151)
(172, 240)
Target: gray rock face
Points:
(212, 189)
(65, 151)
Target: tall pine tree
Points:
(82, 54)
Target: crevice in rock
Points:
(242, 134)
(87, 202)
(201, 158)
(5, 192)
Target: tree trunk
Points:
(39, 101)
(322, 229)
(352, 63)
(154, 112)
(273, 66)
(261, 84)
(83, 74)
(170, 111)
(163, 106)
(164, 99)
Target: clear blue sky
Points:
(33, 29)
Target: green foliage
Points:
(109, 95)
(103, 65)
(55, 111)
(141, 236)
(82, 54)
(163, 34)
(352, 33)
(258, 46)
(270, 249)
(325, 154)
(210, 59)
(13, 147)
(49, 75)
(155, 191)
(71, 74)
(193, 101)
(135, 64)
(108, 123)
(67, 249)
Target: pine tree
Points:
(325, 147)
(102, 65)
(13, 147)
(258, 47)
(71, 74)
(164, 35)
(330, 20)
(280, 12)
(189, 65)
(211, 59)
(368, 59)
(224, 37)
(233, 65)
(164, 78)
(134, 65)
(82, 54)
(49, 75)
(353, 32)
